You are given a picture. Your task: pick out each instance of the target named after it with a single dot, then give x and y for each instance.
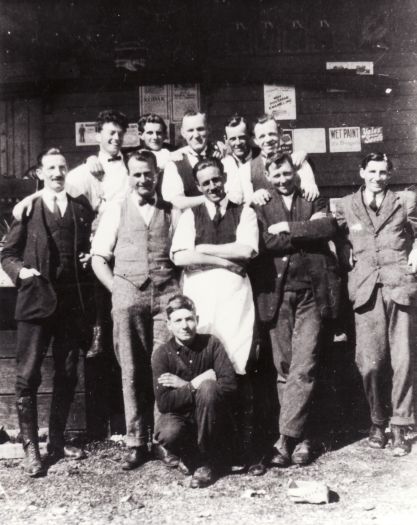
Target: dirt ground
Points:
(368, 487)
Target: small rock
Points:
(252, 493)
(204, 514)
(308, 492)
(126, 498)
(368, 506)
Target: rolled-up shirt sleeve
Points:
(105, 237)
(172, 185)
(184, 236)
(247, 232)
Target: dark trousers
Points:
(385, 338)
(139, 326)
(202, 428)
(64, 329)
(294, 340)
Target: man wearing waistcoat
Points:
(296, 287)
(379, 229)
(254, 183)
(214, 242)
(178, 184)
(44, 255)
(136, 234)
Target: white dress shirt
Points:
(49, 196)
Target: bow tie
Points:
(113, 159)
(151, 202)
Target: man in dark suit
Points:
(296, 287)
(44, 256)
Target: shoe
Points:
(28, 423)
(66, 451)
(202, 477)
(257, 469)
(184, 468)
(169, 459)
(302, 454)
(282, 452)
(377, 437)
(137, 456)
(400, 446)
(96, 347)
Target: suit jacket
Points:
(380, 245)
(28, 245)
(310, 238)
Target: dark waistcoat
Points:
(185, 171)
(207, 232)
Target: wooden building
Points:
(62, 62)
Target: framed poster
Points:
(154, 99)
(185, 97)
(85, 134)
(311, 140)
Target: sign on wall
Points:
(361, 68)
(154, 99)
(344, 139)
(185, 97)
(371, 135)
(85, 134)
(280, 101)
(311, 140)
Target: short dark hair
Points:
(44, 153)
(193, 113)
(278, 160)
(178, 302)
(111, 115)
(151, 118)
(235, 120)
(378, 157)
(143, 155)
(210, 162)
(265, 118)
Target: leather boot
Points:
(28, 423)
(96, 347)
(400, 446)
(282, 452)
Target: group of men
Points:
(235, 243)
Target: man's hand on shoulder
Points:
(261, 197)
(298, 158)
(309, 190)
(171, 380)
(94, 167)
(24, 207)
(318, 215)
(25, 273)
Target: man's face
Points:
(238, 139)
(282, 177)
(153, 136)
(267, 137)
(110, 138)
(194, 131)
(376, 175)
(183, 325)
(142, 177)
(211, 183)
(53, 172)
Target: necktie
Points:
(217, 216)
(373, 205)
(55, 208)
(113, 159)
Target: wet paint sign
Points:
(344, 139)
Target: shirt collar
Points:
(211, 207)
(245, 160)
(193, 153)
(49, 195)
(104, 157)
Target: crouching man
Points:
(194, 381)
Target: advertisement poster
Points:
(154, 99)
(280, 102)
(185, 97)
(344, 139)
(372, 134)
(287, 141)
(361, 68)
(85, 134)
(311, 140)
